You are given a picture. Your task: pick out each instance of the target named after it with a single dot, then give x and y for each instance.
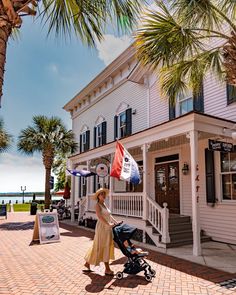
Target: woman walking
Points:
(102, 249)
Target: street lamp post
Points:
(23, 189)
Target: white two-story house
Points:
(184, 151)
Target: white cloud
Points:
(53, 69)
(18, 170)
(111, 47)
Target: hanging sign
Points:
(102, 170)
(221, 146)
(46, 228)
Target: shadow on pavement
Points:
(17, 225)
(99, 283)
(188, 267)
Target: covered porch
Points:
(142, 208)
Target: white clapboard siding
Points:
(132, 94)
(158, 108)
(215, 99)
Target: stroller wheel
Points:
(152, 272)
(119, 275)
(148, 278)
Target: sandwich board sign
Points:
(46, 228)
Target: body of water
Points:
(27, 199)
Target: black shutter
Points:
(128, 114)
(94, 136)
(198, 101)
(210, 176)
(80, 143)
(104, 132)
(171, 110)
(115, 127)
(231, 93)
(87, 140)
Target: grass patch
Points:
(21, 207)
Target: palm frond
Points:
(87, 18)
(5, 138)
(201, 12)
(189, 74)
(162, 40)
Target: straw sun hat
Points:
(99, 191)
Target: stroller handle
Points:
(118, 224)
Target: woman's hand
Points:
(111, 224)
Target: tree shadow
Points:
(17, 225)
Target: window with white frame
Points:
(185, 103)
(99, 135)
(122, 124)
(83, 141)
(228, 175)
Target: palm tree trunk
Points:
(5, 32)
(47, 188)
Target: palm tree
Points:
(59, 169)
(47, 136)
(5, 138)
(85, 18)
(185, 39)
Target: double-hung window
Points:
(122, 125)
(185, 103)
(228, 175)
(84, 141)
(99, 135)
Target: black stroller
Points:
(136, 262)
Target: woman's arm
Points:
(115, 221)
(99, 215)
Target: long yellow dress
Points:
(102, 249)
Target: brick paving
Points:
(57, 268)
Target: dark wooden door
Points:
(167, 185)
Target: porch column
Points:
(111, 182)
(87, 186)
(72, 208)
(145, 148)
(195, 206)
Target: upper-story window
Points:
(122, 125)
(186, 103)
(231, 93)
(84, 139)
(100, 134)
(123, 122)
(228, 175)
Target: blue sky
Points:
(42, 74)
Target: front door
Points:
(167, 185)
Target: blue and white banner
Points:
(83, 173)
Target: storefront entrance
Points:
(167, 185)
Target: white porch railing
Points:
(159, 218)
(127, 204)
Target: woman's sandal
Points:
(87, 267)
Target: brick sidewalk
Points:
(57, 268)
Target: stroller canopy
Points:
(123, 232)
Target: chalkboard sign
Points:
(221, 146)
(3, 210)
